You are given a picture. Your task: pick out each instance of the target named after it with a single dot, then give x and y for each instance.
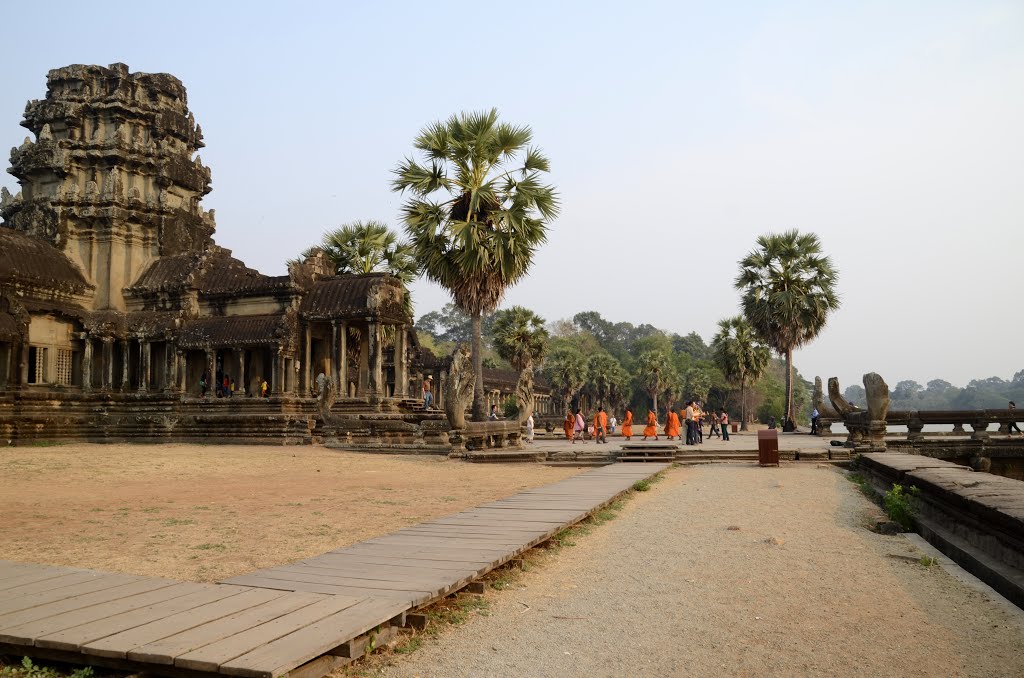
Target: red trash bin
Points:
(768, 447)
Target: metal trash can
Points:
(735, 428)
(768, 447)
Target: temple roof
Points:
(211, 273)
(235, 330)
(28, 259)
(376, 294)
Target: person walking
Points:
(204, 383)
(651, 430)
(600, 426)
(627, 424)
(529, 429)
(713, 421)
(567, 425)
(691, 435)
(1012, 426)
(814, 421)
(428, 392)
(725, 425)
(579, 428)
(671, 424)
(611, 425)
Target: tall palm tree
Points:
(740, 356)
(655, 371)
(788, 289)
(566, 370)
(601, 372)
(521, 339)
(478, 210)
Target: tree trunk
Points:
(743, 404)
(789, 386)
(654, 397)
(479, 404)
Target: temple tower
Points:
(112, 178)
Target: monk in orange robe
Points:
(568, 424)
(672, 425)
(651, 430)
(627, 425)
(601, 425)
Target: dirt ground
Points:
(206, 512)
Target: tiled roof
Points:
(29, 259)
(242, 330)
(348, 295)
(213, 272)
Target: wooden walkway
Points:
(294, 619)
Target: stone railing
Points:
(479, 435)
(978, 420)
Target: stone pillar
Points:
(87, 363)
(440, 389)
(980, 429)
(307, 359)
(401, 362)
(125, 355)
(144, 359)
(23, 361)
(278, 386)
(343, 359)
(181, 371)
(241, 370)
(108, 364)
(375, 363)
(915, 427)
(336, 357)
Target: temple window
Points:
(36, 365)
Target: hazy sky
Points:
(677, 132)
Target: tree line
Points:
(939, 394)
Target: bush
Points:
(899, 506)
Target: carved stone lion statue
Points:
(459, 389)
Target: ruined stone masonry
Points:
(115, 300)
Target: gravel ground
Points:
(670, 588)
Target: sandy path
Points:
(206, 512)
(667, 589)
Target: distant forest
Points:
(938, 394)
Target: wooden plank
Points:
(212, 656)
(60, 587)
(165, 650)
(119, 644)
(413, 599)
(34, 574)
(32, 611)
(73, 638)
(366, 559)
(41, 627)
(10, 568)
(277, 657)
(410, 583)
(382, 572)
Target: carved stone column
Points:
(87, 363)
(211, 370)
(343, 360)
(144, 359)
(307, 368)
(336, 356)
(401, 362)
(278, 387)
(108, 364)
(980, 429)
(181, 371)
(375, 367)
(915, 427)
(125, 356)
(241, 370)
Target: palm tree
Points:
(740, 356)
(477, 213)
(601, 372)
(369, 247)
(566, 369)
(788, 291)
(521, 339)
(655, 371)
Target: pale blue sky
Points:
(677, 131)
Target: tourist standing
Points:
(713, 422)
(611, 425)
(627, 424)
(529, 428)
(725, 425)
(428, 392)
(814, 421)
(204, 383)
(651, 430)
(691, 435)
(264, 389)
(1012, 426)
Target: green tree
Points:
(601, 373)
(788, 290)
(479, 209)
(369, 247)
(740, 357)
(520, 339)
(654, 371)
(566, 370)
(698, 384)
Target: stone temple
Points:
(115, 300)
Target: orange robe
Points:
(567, 425)
(627, 425)
(672, 425)
(651, 430)
(600, 421)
